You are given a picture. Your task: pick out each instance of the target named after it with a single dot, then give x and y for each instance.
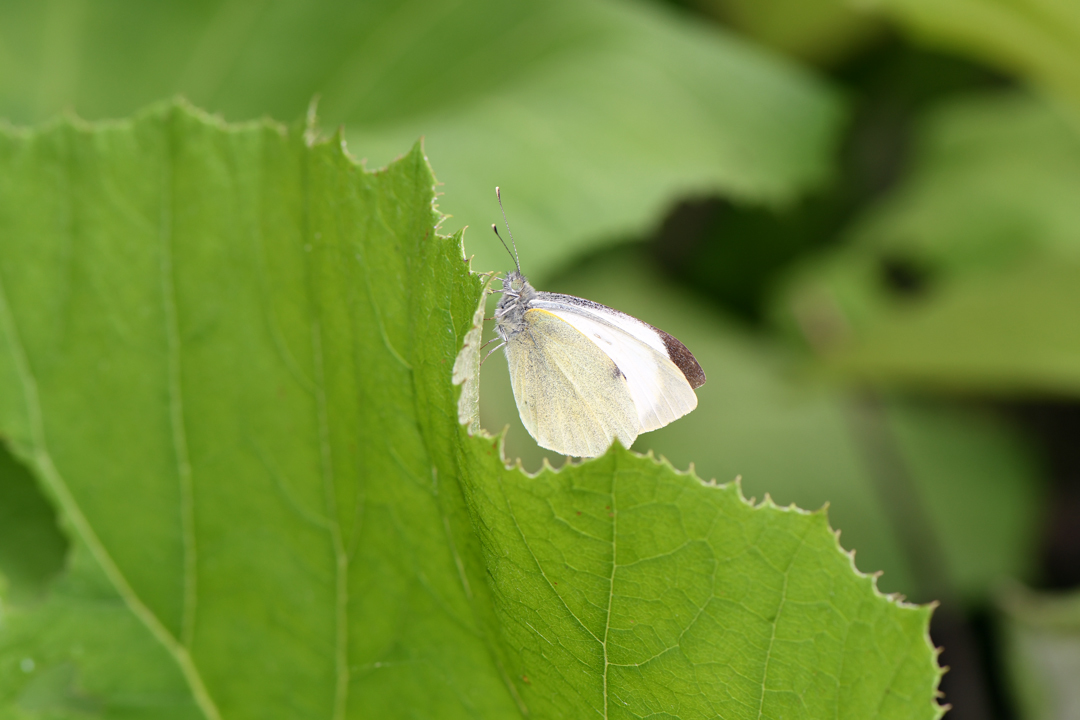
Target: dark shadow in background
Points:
(32, 548)
(1056, 425)
(735, 256)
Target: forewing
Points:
(662, 390)
(571, 396)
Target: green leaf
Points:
(226, 353)
(893, 472)
(1043, 652)
(685, 603)
(968, 276)
(820, 31)
(1036, 40)
(594, 116)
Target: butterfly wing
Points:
(661, 373)
(571, 396)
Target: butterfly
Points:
(584, 374)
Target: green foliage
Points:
(1034, 39)
(820, 31)
(814, 445)
(688, 602)
(226, 353)
(968, 275)
(233, 480)
(1043, 638)
(593, 115)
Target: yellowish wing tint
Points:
(571, 396)
(660, 390)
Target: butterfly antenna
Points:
(496, 229)
(498, 196)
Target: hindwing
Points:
(662, 390)
(572, 397)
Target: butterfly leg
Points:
(492, 349)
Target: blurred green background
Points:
(863, 218)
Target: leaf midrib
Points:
(341, 555)
(47, 471)
(176, 405)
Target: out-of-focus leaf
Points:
(820, 31)
(1043, 652)
(226, 351)
(32, 549)
(1036, 39)
(979, 483)
(734, 254)
(974, 479)
(594, 115)
(968, 276)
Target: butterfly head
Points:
(515, 284)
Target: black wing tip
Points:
(684, 360)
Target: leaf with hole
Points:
(226, 355)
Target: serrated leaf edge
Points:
(767, 503)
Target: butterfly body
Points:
(584, 374)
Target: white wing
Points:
(660, 371)
(571, 397)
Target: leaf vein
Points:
(341, 558)
(51, 476)
(178, 435)
(776, 622)
(543, 574)
(611, 580)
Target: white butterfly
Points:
(584, 374)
